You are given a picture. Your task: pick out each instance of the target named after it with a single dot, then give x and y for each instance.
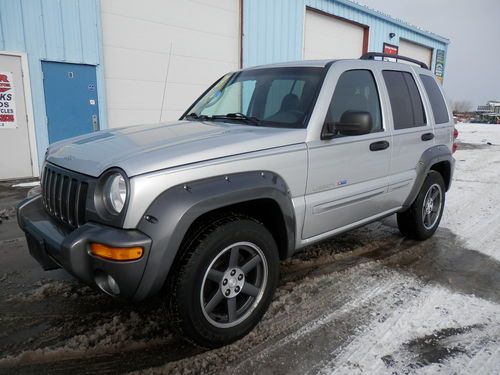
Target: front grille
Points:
(64, 195)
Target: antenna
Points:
(166, 78)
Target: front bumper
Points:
(54, 246)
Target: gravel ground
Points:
(368, 301)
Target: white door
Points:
(327, 37)
(188, 44)
(15, 154)
(415, 51)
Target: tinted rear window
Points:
(436, 98)
(406, 103)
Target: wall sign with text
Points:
(390, 49)
(8, 117)
(439, 66)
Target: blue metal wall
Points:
(273, 29)
(54, 30)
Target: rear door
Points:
(413, 132)
(443, 119)
(347, 179)
(71, 99)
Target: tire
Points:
(418, 222)
(225, 282)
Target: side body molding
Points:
(172, 212)
(431, 156)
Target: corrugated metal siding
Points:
(273, 30)
(55, 30)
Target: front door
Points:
(71, 99)
(347, 179)
(15, 153)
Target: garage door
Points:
(415, 51)
(188, 44)
(327, 37)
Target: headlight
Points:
(115, 192)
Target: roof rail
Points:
(372, 55)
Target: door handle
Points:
(95, 123)
(427, 136)
(379, 146)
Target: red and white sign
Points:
(390, 49)
(8, 118)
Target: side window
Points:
(406, 103)
(436, 98)
(356, 90)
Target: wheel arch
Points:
(176, 211)
(437, 158)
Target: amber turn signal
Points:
(116, 253)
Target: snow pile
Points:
(53, 289)
(122, 330)
(26, 184)
(7, 213)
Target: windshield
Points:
(273, 97)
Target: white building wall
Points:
(190, 43)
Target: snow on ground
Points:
(436, 325)
(479, 133)
(27, 184)
(473, 203)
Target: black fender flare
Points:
(430, 157)
(169, 217)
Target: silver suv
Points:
(267, 161)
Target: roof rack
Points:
(372, 55)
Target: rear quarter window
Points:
(406, 103)
(438, 103)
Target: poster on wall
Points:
(439, 66)
(8, 117)
(390, 49)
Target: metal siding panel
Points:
(52, 21)
(272, 31)
(89, 31)
(33, 28)
(2, 40)
(12, 25)
(71, 31)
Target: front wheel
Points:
(422, 219)
(226, 281)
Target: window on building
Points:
(406, 103)
(436, 98)
(356, 90)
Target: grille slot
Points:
(64, 196)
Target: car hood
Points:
(146, 148)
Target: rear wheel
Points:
(422, 219)
(226, 281)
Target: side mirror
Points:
(351, 123)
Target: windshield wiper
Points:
(238, 116)
(195, 116)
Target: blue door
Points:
(70, 99)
